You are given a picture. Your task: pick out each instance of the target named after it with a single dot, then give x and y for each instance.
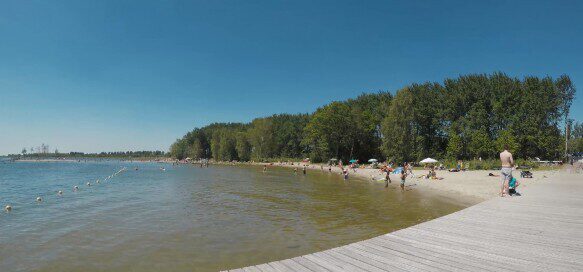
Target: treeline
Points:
(576, 138)
(468, 117)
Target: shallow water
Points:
(189, 218)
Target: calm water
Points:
(188, 218)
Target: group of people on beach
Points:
(508, 187)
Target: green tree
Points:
(243, 146)
(506, 138)
(481, 146)
(454, 146)
(329, 133)
(397, 128)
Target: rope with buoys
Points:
(39, 199)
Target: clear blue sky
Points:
(135, 75)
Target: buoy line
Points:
(40, 198)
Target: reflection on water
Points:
(189, 218)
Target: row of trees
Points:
(467, 117)
(576, 138)
(42, 149)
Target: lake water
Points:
(189, 218)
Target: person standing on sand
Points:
(506, 171)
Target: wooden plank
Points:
(428, 262)
(310, 265)
(435, 257)
(278, 266)
(265, 268)
(251, 269)
(371, 258)
(401, 263)
(294, 265)
(324, 263)
(367, 265)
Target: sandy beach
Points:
(472, 186)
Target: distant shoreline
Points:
(95, 159)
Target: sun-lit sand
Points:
(467, 184)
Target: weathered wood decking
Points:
(539, 231)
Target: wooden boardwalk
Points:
(539, 231)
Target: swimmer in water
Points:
(75, 188)
(8, 208)
(60, 193)
(39, 199)
(265, 168)
(88, 183)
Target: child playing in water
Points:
(387, 171)
(403, 177)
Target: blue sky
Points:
(135, 75)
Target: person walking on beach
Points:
(506, 171)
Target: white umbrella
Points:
(429, 160)
(373, 160)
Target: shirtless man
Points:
(506, 171)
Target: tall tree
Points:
(397, 128)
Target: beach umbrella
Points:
(373, 160)
(306, 160)
(353, 161)
(428, 160)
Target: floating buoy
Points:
(39, 199)
(75, 188)
(60, 192)
(8, 208)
